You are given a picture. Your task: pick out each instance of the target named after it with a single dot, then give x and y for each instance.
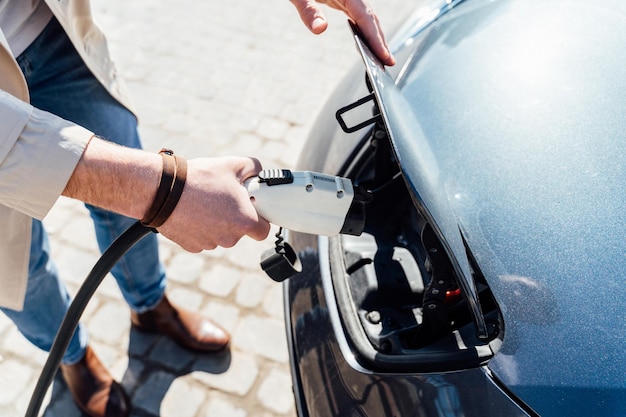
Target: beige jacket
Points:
(39, 151)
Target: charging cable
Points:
(62, 339)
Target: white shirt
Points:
(22, 21)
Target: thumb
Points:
(311, 15)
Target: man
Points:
(47, 148)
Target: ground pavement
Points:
(208, 78)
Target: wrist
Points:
(169, 191)
(115, 178)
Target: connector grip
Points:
(306, 202)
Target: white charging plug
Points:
(302, 201)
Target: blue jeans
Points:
(60, 83)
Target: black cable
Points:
(109, 258)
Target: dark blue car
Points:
(490, 278)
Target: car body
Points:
(490, 277)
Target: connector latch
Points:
(275, 176)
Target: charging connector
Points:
(306, 202)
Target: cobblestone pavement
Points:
(209, 78)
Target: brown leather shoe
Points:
(93, 388)
(187, 328)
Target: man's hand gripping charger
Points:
(306, 202)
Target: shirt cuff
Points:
(36, 170)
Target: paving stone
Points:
(216, 254)
(5, 324)
(79, 231)
(177, 121)
(273, 303)
(189, 299)
(247, 253)
(220, 280)
(132, 375)
(150, 394)
(237, 379)
(63, 212)
(20, 404)
(262, 336)
(276, 150)
(15, 376)
(251, 290)
(14, 344)
(185, 267)
(108, 288)
(273, 129)
(170, 355)
(224, 314)
(275, 392)
(246, 144)
(110, 323)
(166, 246)
(74, 263)
(223, 408)
(140, 343)
(182, 399)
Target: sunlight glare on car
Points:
(535, 56)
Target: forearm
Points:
(115, 178)
(213, 210)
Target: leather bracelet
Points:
(172, 182)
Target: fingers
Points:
(311, 15)
(260, 227)
(356, 10)
(260, 230)
(369, 25)
(215, 208)
(250, 167)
